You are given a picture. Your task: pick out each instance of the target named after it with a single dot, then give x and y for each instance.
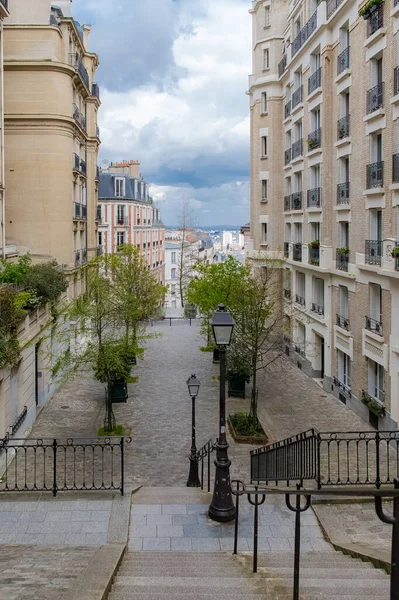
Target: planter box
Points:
(236, 386)
(216, 356)
(119, 392)
(246, 439)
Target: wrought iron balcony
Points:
(97, 173)
(77, 258)
(287, 156)
(314, 198)
(286, 249)
(297, 149)
(287, 294)
(77, 63)
(83, 167)
(343, 322)
(297, 96)
(296, 201)
(297, 252)
(314, 139)
(396, 80)
(304, 34)
(343, 386)
(84, 211)
(77, 210)
(343, 190)
(343, 60)
(84, 256)
(95, 90)
(375, 175)
(122, 220)
(299, 349)
(79, 118)
(287, 109)
(314, 255)
(373, 252)
(342, 259)
(282, 65)
(76, 162)
(395, 168)
(343, 127)
(332, 6)
(318, 309)
(300, 300)
(373, 325)
(375, 98)
(314, 81)
(375, 20)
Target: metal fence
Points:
(171, 321)
(204, 460)
(67, 464)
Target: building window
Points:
(120, 238)
(100, 238)
(120, 214)
(264, 190)
(267, 16)
(265, 59)
(173, 289)
(173, 273)
(119, 187)
(173, 259)
(264, 103)
(376, 376)
(264, 233)
(344, 369)
(264, 146)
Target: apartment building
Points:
(4, 250)
(172, 258)
(127, 215)
(324, 102)
(51, 132)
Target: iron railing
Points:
(95, 90)
(314, 255)
(296, 201)
(375, 98)
(343, 190)
(297, 252)
(343, 386)
(332, 6)
(314, 198)
(204, 460)
(304, 34)
(67, 464)
(122, 221)
(375, 20)
(373, 325)
(77, 258)
(395, 168)
(343, 322)
(373, 252)
(79, 117)
(343, 60)
(287, 203)
(314, 139)
(297, 149)
(375, 175)
(396, 81)
(77, 210)
(297, 96)
(282, 65)
(97, 173)
(342, 260)
(314, 81)
(76, 61)
(287, 109)
(84, 256)
(300, 300)
(318, 309)
(343, 127)
(287, 156)
(286, 249)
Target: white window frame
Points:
(264, 233)
(173, 273)
(120, 187)
(267, 17)
(264, 103)
(264, 190)
(264, 143)
(120, 235)
(173, 258)
(266, 59)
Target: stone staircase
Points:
(205, 575)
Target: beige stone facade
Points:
(324, 101)
(4, 250)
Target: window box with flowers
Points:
(370, 7)
(373, 405)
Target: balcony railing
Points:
(375, 98)
(297, 252)
(79, 118)
(297, 149)
(77, 258)
(296, 201)
(95, 90)
(373, 325)
(77, 212)
(297, 96)
(300, 300)
(287, 156)
(342, 259)
(314, 139)
(97, 173)
(287, 109)
(79, 164)
(343, 127)
(343, 60)
(332, 6)
(286, 249)
(314, 81)
(318, 309)
(343, 322)
(122, 220)
(76, 62)
(375, 175)
(343, 386)
(314, 255)
(282, 65)
(373, 252)
(83, 167)
(343, 190)
(287, 294)
(396, 80)
(84, 256)
(299, 349)
(287, 203)
(395, 168)
(84, 211)
(304, 34)
(314, 198)
(375, 20)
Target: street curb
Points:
(96, 580)
(118, 528)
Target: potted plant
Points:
(343, 250)
(373, 405)
(367, 10)
(312, 144)
(314, 244)
(395, 252)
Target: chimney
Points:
(65, 6)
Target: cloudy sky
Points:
(173, 78)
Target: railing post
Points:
(377, 458)
(55, 467)
(209, 465)
(297, 556)
(122, 465)
(256, 504)
(394, 521)
(318, 465)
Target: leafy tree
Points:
(11, 314)
(47, 282)
(187, 255)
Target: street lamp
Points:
(193, 385)
(222, 508)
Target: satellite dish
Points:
(105, 164)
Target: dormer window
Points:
(120, 187)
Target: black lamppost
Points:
(193, 385)
(222, 508)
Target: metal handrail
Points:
(205, 453)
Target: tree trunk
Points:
(253, 413)
(109, 418)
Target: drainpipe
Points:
(3, 192)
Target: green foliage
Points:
(395, 251)
(133, 379)
(239, 362)
(376, 407)
(111, 363)
(344, 250)
(245, 425)
(365, 10)
(206, 348)
(118, 430)
(45, 283)
(314, 244)
(15, 272)
(11, 314)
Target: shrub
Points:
(246, 426)
(46, 282)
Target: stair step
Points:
(326, 559)
(193, 594)
(306, 573)
(340, 587)
(178, 570)
(179, 583)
